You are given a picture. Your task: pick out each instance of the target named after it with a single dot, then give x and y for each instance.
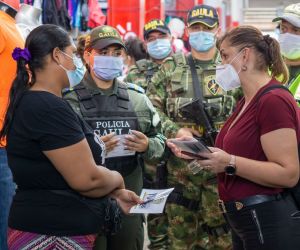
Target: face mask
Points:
(108, 67)
(75, 76)
(202, 41)
(159, 49)
(227, 77)
(290, 45)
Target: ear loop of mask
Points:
(233, 60)
(70, 58)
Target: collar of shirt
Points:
(91, 85)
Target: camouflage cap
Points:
(103, 36)
(290, 14)
(204, 14)
(156, 25)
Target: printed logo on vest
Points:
(119, 127)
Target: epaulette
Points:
(135, 87)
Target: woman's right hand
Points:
(126, 199)
(110, 141)
(176, 150)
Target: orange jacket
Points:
(10, 38)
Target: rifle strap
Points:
(196, 82)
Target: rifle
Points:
(161, 175)
(196, 111)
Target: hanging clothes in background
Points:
(70, 14)
(96, 16)
(84, 15)
(55, 12)
(63, 16)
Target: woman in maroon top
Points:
(256, 153)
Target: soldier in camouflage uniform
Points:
(195, 221)
(124, 118)
(158, 41)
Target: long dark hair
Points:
(268, 50)
(40, 43)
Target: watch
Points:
(230, 169)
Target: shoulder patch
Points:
(135, 87)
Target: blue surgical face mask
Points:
(202, 41)
(75, 76)
(108, 67)
(159, 49)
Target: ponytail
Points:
(19, 86)
(276, 65)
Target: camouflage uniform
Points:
(171, 87)
(142, 72)
(157, 224)
(131, 235)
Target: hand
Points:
(126, 199)
(109, 141)
(187, 132)
(216, 161)
(136, 141)
(176, 150)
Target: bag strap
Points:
(268, 89)
(195, 79)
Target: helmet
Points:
(15, 4)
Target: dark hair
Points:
(81, 46)
(267, 48)
(40, 43)
(135, 48)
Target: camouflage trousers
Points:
(157, 224)
(186, 228)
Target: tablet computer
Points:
(191, 147)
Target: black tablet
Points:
(191, 147)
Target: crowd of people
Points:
(85, 127)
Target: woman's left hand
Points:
(216, 161)
(126, 199)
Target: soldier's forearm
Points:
(155, 150)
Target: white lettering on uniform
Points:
(98, 124)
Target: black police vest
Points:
(107, 114)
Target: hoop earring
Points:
(244, 68)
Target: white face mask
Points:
(227, 77)
(289, 45)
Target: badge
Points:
(211, 84)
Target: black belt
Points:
(234, 206)
(177, 197)
(216, 231)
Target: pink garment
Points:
(96, 16)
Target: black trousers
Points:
(273, 225)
